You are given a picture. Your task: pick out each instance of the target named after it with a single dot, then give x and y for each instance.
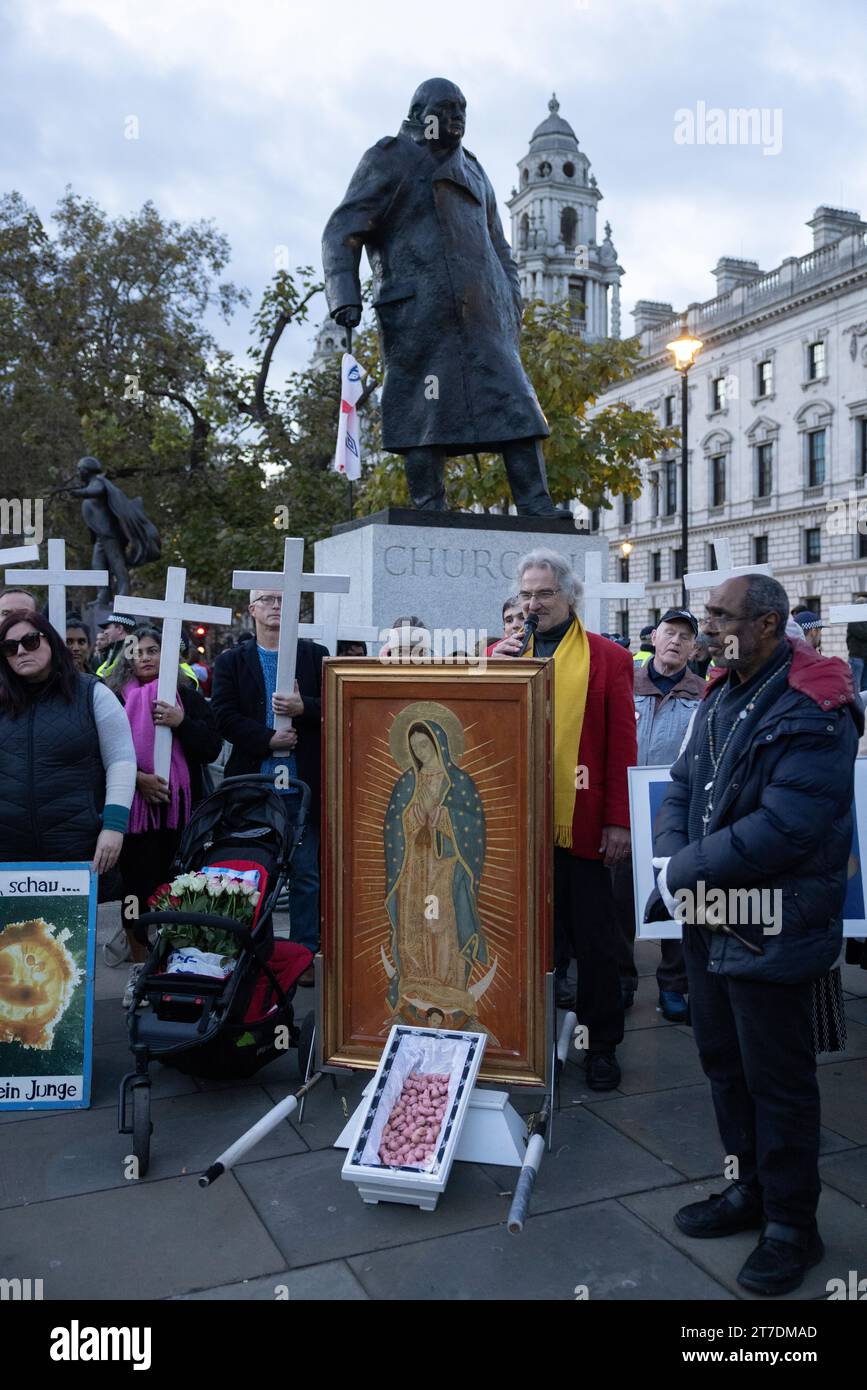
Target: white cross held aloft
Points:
(58, 578)
(708, 579)
(331, 630)
(847, 613)
(173, 610)
(596, 589)
(290, 583)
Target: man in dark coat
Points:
(448, 301)
(758, 814)
(244, 682)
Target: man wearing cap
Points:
(811, 626)
(667, 694)
(117, 629)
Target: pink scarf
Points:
(144, 815)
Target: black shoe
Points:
(739, 1208)
(603, 1071)
(564, 994)
(781, 1259)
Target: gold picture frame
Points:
(437, 857)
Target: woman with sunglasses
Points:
(160, 809)
(67, 766)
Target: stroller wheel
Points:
(141, 1127)
(305, 1045)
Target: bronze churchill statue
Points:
(448, 302)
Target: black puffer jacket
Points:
(783, 823)
(52, 781)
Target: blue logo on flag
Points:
(351, 445)
(353, 374)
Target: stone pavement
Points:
(620, 1166)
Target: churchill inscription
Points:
(455, 562)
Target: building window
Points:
(654, 494)
(816, 361)
(813, 603)
(668, 411)
(654, 616)
(568, 226)
(627, 511)
(524, 232)
(578, 299)
(765, 379)
(594, 519)
(677, 563)
(671, 487)
(623, 567)
(623, 622)
(815, 458)
(711, 556)
(655, 566)
(760, 550)
(861, 446)
(862, 547)
(813, 546)
(718, 393)
(718, 480)
(764, 470)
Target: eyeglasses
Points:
(30, 641)
(274, 601)
(541, 594)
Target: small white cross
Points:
(18, 555)
(596, 589)
(290, 582)
(173, 610)
(708, 579)
(59, 579)
(847, 613)
(331, 630)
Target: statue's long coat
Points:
(446, 294)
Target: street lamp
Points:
(685, 349)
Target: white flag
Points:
(347, 457)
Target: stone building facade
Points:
(777, 431)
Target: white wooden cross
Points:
(290, 583)
(173, 610)
(596, 589)
(18, 555)
(847, 613)
(331, 630)
(708, 579)
(59, 579)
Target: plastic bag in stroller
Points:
(222, 1026)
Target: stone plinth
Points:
(452, 569)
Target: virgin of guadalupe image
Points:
(434, 836)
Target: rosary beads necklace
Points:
(716, 758)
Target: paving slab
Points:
(843, 1225)
(848, 1172)
(656, 1059)
(145, 1241)
(81, 1151)
(843, 1087)
(324, 1114)
(679, 1126)
(600, 1248)
(645, 1012)
(856, 1044)
(588, 1162)
(854, 980)
(856, 1010)
(331, 1282)
(109, 1020)
(313, 1215)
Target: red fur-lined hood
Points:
(827, 680)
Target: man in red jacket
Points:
(594, 744)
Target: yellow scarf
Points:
(571, 676)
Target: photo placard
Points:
(47, 951)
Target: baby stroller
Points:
(222, 1028)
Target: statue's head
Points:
(440, 108)
(88, 466)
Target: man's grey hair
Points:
(564, 576)
(766, 595)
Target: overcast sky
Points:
(255, 112)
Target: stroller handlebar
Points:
(196, 919)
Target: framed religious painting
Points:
(647, 788)
(437, 857)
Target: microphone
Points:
(531, 622)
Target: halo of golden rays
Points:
(416, 712)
